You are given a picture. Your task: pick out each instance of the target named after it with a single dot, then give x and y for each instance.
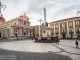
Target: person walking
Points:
(0, 35)
(76, 42)
(32, 38)
(16, 36)
(58, 41)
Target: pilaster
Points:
(67, 28)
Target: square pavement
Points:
(29, 50)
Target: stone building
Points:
(19, 26)
(42, 31)
(66, 28)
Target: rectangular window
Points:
(70, 24)
(77, 23)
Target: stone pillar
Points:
(8, 33)
(39, 31)
(11, 31)
(67, 29)
(5, 33)
(59, 29)
(2, 32)
(74, 30)
(54, 30)
(20, 32)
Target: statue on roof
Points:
(1, 16)
(2, 7)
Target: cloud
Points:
(56, 9)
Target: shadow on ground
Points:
(11, 40)
(63, 50)
(68, 46)
(33, 55)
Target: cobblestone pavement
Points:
(29, 50)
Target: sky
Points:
(55, 9)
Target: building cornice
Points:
(67, 19)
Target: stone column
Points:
(74, 30)
(20, 31)
(5, 33)
(39, 31)
(59, 29)
(67, 28)
(54, 30)
(11, 32)
(8, 32)
(2, 33)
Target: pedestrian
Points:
(32, 37)
(76, 42)
(16, 36)
(58, 40)
(0, 35)
(21, 37)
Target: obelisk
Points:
(44, 16)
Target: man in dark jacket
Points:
(76, 42)
(16, 36)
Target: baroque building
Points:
(19, 26)
(66, 28)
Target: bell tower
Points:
(2, 20)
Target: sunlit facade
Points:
(19, 26)
(42, 31)
(66, 28)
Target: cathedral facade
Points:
(19, 26)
